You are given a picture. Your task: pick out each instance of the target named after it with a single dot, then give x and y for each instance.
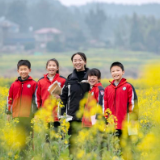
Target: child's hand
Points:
(8, 117)
(57, 96)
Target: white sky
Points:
(81, 2)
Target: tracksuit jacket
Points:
(72, 93)
(20, 98)
(96, 93)
(121, 99)
(42, 93)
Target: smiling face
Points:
(78, 63)
(93, 80)
(23, 72)
(52, 68)
(117, 73)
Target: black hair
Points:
(94, 72)
(83, 56)
(117, 64)
(57, 63)
(23, 63)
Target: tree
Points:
(136, 36)
(95, 21)
(17, 12)
(41, 14)
(3, 7)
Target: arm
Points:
(105, 99)
(99, 97)
(9, 100)
(34, 106)
(38, 99)
(64, 97)
(133, 103)
(9, 103)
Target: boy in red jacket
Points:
(20, 99)
(120, 97)
(96, 93)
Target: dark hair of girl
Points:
(53, 59)
(83, 56)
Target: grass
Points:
(97, 58)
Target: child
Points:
(96, 93)
(21, 96)
(42, 93)
(120, 97)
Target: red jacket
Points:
(21, 95)
(96, 93)
(121, 100)
(42, 93)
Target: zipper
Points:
(69, 95)
(115, 100)
(21, 98)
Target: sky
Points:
(81, 2)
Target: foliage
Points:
(97, 142)
(93, 25)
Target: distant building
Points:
(11, 39)
(6, 29)
(45, 35)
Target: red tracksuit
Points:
(42, 93)
(21, 94)
(121, 99)
(96, 93)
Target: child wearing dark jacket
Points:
(96, 93)
(120, 97)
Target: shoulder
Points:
(41, 79)
(100, 88)
(108, 87)
(13, 83)
(62, 78)
(130, 85)
(33, 81)
(69, 76)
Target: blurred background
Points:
(106, 30)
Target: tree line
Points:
(86, 26)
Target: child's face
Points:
(117, 73)
(78, 63)
(93, 80)
(23, 72)
(52, 68)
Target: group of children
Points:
(27, 95)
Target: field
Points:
(142, 66)
(88, 144)
(97, 58)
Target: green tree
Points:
(18, 13)
(41, 14)
(136, 34)
(3, 7)
(95, 21)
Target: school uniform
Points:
(121, 99)
(20, 103)
(20, 98)
(42, 93)
(95, 93)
